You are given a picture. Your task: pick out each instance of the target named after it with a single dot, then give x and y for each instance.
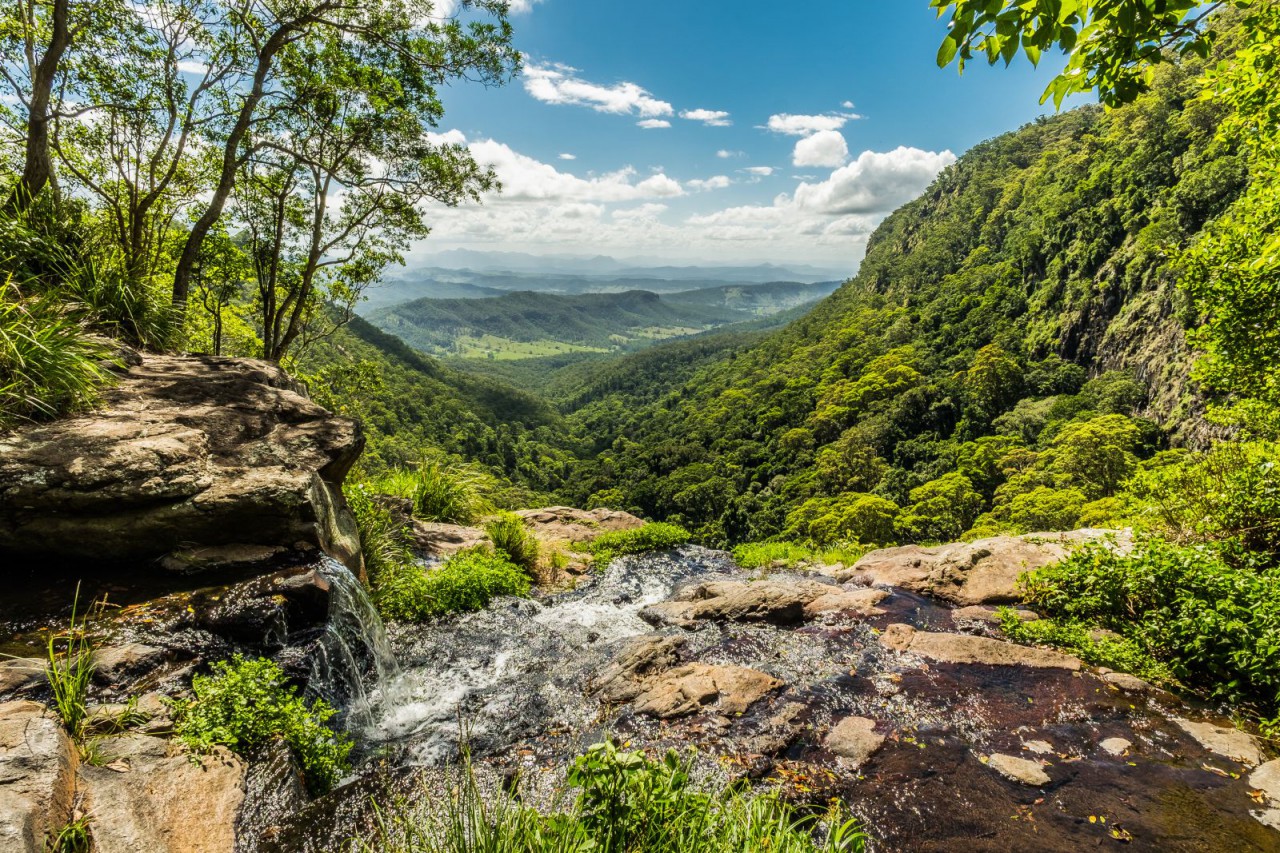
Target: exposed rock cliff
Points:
(195, 461)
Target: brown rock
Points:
(166, 803)
(860, 601)
(981, 572)
(37, 777)
(855, 739)
(1227, 741)
(185, 453)
(444, 540)
(778, 601)
(694, 686)
(1021, 770)
(963, 648)
(645, 656)
(19, 674)
(1265, 781)
(115, 664)
(1128, 683)
(987, 615)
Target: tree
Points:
(941, 509)
(1112, 44)
(994, 381)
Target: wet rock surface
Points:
(198, 462)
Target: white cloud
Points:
(653, 123)
(759, 171)
(519, 7)
(568, 156)
(848, 105)
(448, 8)
(725, 154)
(718, 182)
(645, 211)
(804, 125)
(449, 137)
(826, 148)
(876, 182)
(526, 179)
(711, 118)
(556, 84)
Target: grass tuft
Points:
(656, 536)
(513, 540)
(69, 668)
(439, 490)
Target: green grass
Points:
(245, 704)
(69, 668)
(384, 541)
(467, 581)
(440, 490)
(656, 536)
(506, 349)
(513, 540)
(71, 837)
(759, 555)
(625, 802)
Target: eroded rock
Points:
(854, 739)
(1022, 770)
(1227, 741)
(1265, 785)
(37, 777)
(697, 686)
(185, 453)
(964, 648)
(777, 601)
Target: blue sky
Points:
(720, 131)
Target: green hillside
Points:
(1020, 315)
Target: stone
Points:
(434, 539)
(186, 453)
(645, 656)
(1022, 770)
(1227, 741)
(219, 558)
(965, 648)
(860, 601)
(37, 777)
(987, 615)
(697, 686)
(777, 601)
(780, 730)
(981, 572)
(114, 665)
(1038, 747)
(1264, 782)
(18, 674)
(1115, 746)
(164, 802)
(1128, 683)
(275, 790)
(855, 740)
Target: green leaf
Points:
(947, 51)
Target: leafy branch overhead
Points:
(1112, 45)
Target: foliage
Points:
(760, 555)
(384, 540)
(69, 668)
(1094, 647)
(655, 536)
(511, 539)
(440, 490)
(626, 803)
(245, 704)
(467, 581)
(73, 836)
(1215, 626)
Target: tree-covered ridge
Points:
(1009, 351)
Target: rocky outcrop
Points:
(777, 601)
(37, 777)
(854, 739)
(963, 648)
(970, 573)
(195, 461)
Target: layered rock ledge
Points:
(198, 462)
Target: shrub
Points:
(467, 581)
(245, 704)
(755, 555)
(626, 803)
(513, 540)
(1214, 625)
(1090, 645)
(49, 363)
(384, 541)
(448, 492)
(656, 536)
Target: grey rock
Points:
(855, 740)
(1022, 770)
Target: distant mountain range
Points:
(603, 265)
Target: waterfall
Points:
(353, 656)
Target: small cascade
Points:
(354, 656)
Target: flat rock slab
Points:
(963, 648)
(970, 573)
(776, 601)
(1265, 785)
(1229, 742)
(1021, 770)
(854, 739)
(185, 453)
(37, 777)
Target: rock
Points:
(778, 601)
(114, 665)
(1116, 746)
(860, 601)
(1128, 683)
(695, 686)
(987, 615)
(565, 525)
(275, 790)
(1038, 747)
(779, 731)
(186, 453)
(1229, 742)
(854, 739)
(964, 648)
(37, 777)
(1021, 770)
(444, 540)
(1265, 782)
(163, 803)
(20, 673)
(646, 673)
(220, 558)
(981, 572)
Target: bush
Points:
(626, 803)
(245, 704)
(1091, 646)
(467, 581)
(756, 555)
(384, 541)
(448, 492)
(1214, 625)
(511, 539)
(656, 536)
(49, 363)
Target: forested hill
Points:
(1010, 349)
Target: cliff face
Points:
(196, 462)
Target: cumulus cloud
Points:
(653, 123)
(526, 179)
(826, 148)
(644, 212)
(718, 182)
(558, 84)
(711, 118)
(759, 171)
(807, 125)
(848, 105)
(876, 182)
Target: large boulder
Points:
(199, 461)
(777, 601)
(37, 777)
(982, 572)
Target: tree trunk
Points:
(38, 166)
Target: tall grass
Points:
(511, 538)
(50, 364)
(656, 536)
(69, 667)
(384, 541)
(440, 490)
(625, 803)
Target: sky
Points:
(719, 131)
